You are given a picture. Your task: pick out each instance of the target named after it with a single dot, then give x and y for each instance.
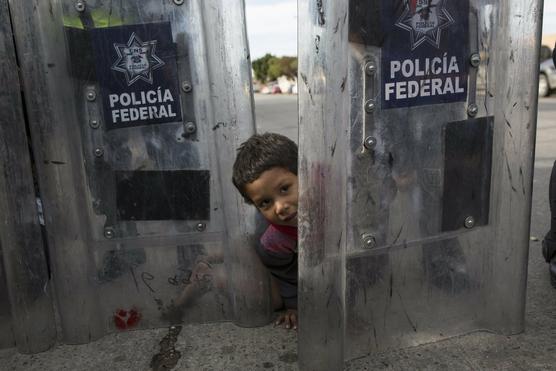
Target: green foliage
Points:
(260, 66)
(270, 67)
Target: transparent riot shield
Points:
(135, 113)
(416, 141)
(26, 308)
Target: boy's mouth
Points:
(291, 217)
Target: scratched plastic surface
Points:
(7, 340)
(125, 256)
(377, 268)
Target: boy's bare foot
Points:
(288, 320)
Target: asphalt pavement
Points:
(223, 346)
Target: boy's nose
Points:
(281, 208)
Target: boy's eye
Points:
(264, 204)
(284, 189)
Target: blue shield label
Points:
(137, 72)
(425, 52)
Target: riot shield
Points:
(26, 311)
(416, 140)
(135, 113)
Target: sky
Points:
(272, 26)
(549, 17)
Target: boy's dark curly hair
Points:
(259, 153)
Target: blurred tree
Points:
(260, 66)
(269, 67)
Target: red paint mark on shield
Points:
(413, 6)
(126, 319)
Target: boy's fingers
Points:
(291, 321)
(288, 320)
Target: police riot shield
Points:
(135, 111)
(26, 307)
(417, 127)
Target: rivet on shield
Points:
(80, 6)
(370, 68)
(201, 227)
(370, 106)
(94, 124)
(475, 60)
(178, 2)
(370, 142)
(469, 222)
(186, 87)
(109, 233)
(472, 110)
(190, 127)
(99, 152)
(91, 95)
(368, 240)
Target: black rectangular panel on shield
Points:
(467, 172)
(163, 195)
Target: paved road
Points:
(546, 133)
(223, 346)
(277, 113)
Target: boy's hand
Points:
(288, 319)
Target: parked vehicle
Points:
(547, 78)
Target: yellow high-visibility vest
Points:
(101, 19)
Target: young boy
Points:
(265, 173)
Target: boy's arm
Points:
(288, 319)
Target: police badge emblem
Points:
(425, 20)
(149, 93)
(137, 60)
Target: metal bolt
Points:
(186, 87)
(370, 68)
(475, 60)
(178, 2)
(109, 233)
(99, 152)
(369, 241)
(370, 142)
(472, 110)
(201, 227)
(370, 106)
(469, 222)
(94, 124)
(91, 95)
(80, 6)
(190, 127)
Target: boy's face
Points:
(275, 194)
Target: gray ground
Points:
(227, 347)
(277, 113)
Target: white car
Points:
(547, 78)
